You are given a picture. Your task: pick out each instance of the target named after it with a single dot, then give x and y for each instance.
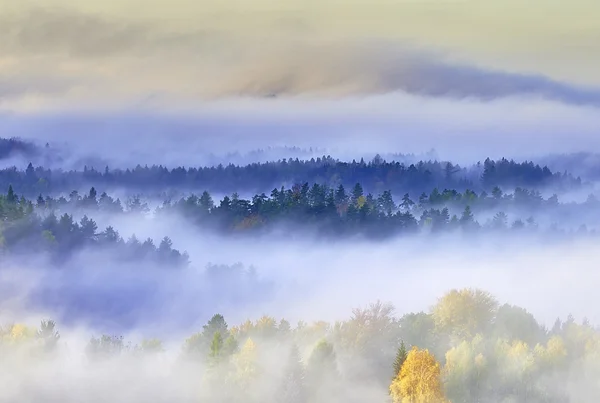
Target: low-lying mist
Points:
(459, 130)
(292, 202)
(329, 294)
(302, 279)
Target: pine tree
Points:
(467, 218)
(11, 197)
(407, 203)
(400, 358)
(48, 334)
(357, 192)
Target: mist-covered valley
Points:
(165, 283)
(299, 202)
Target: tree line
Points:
(466, 348)
(338, 212)
(26, 229)
(376, 176)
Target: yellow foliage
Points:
(552, 355)
(246, 363)
(419, 380)
(466, 356)
(466, 368)
(246, 327)
(266, 326)
(516, 360)
(21, 333)
(152, 345)
(464, 313)
(556, 347)
(234, 331)
(480, 361)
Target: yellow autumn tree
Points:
(516, 364)
(266, 327)
(553, 356)
(464, 313)
(246, 363)
(19, 333)
(419, 380)
(466, 370)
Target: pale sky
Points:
(64, 52)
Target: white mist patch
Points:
(463, 131)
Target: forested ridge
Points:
(376, 176)
(26, 229)
(467, 348)
(48, 224)
(399, 175)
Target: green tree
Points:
(48, 334)
(216, 347)
(322, 373)
(11, 197)
(401, 355)
(407, 203)
(357, 192)
(215, 324)
(467, 220)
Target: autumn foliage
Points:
(419, 380)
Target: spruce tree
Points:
(400, 358)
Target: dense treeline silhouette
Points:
(23, 230)
(15, 146)
(466, 348)
(375, 176)
(337, 212)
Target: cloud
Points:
(19, 85)
(136, 60)
(42, 31)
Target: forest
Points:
(376, 176)
(291, 201)
(71, 248)
(47, 224)
(468, 347)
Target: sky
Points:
(405, 75)
(61, 52)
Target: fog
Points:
(366, 270)
(464, 131)
(324, 288)
(423, 282)
(306, 280)
(333, 279)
